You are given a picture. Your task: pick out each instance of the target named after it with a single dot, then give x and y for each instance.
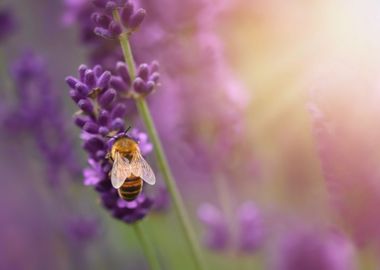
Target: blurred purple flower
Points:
(82, 230)
(161, 200)
(347, 139)
(102, 113)
(8, 24)
(219, 236)
(302, 249)
(38, 112)
(250, 228)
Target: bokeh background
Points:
(268, 111)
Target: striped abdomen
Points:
(131, 188)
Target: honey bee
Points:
(129, 168)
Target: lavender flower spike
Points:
(101, 115)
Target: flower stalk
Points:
(147, 247)
(162, 162)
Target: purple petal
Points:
(143, 72)
(118, 111)
(136, 19)
(118, 84)
(107, 97)
(104, 79)
(126, 13)
(91, 127)
(139, 85)
(86, 106)
(122, 70)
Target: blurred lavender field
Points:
(266, 110)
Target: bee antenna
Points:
(126, 131)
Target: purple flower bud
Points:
(115, 29)
(104, 79)
(86, 106)
(104, 118)
(94, 144)
(82, 89)
(80, 120)
(155, 77)
(81, 70)
(91, 127)
(104, 131)
(107, 97)
(143, 72)
(118, 84)
(89, 78)
(150, 86)
(122, 70)
(136, 19)
(71, 81)
(126, 13)
(139, 85)
(117, 124)
(98, 70)
(118, 111)
(74, 95)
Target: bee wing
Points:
(121, 169)
(140, 167)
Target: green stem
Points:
(147, 248)
(170, 183)
(161, 158)
(126, 47)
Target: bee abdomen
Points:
(131, 188)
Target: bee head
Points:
(113, 138)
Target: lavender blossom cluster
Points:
(107, 27)
(101, 98)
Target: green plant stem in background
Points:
(147, 248)
(160, 156)
(170, 183)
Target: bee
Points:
(129, 168)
